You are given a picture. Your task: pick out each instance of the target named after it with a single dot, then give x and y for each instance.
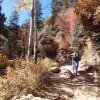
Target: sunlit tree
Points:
(32, 5)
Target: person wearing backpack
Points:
(75, 61)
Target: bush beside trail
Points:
(25, 77)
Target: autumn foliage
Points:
(25, 78)
(3, 62)
(66, 22)
(89, 14)
(23, 39)
(50, 46)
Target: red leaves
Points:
(66, 22)
(63, 25)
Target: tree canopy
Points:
(2, 21)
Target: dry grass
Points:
(26, 77)
(3, 61)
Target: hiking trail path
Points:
(78, 88)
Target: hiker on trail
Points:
(75, 61)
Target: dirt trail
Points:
(78, 88)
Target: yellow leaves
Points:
(25, 8)
(23, 5)
(26, 1)
(17, 6)
(48, 20)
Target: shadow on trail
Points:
(76, 82)
(62, 88)
(82, 73)
(67, 87)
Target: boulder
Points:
(55, 69)
(31, 97)
(94, 77)
(67, 74)
(55, 64)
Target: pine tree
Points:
(2, 21)
(13, 21)
(65, 3)
(39, 14)
(52, 6)
(13, 35)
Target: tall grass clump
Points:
(25, 78)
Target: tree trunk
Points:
(31, 31)
(35, 31)
(33, 18)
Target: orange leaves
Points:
(89, 13)
(3, 62)
(48, 20)
(89, 5)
